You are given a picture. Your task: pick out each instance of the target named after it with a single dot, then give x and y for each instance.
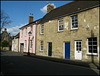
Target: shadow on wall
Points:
(92, 56)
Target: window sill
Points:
(60, 31)
(95, 54)
(41, 34)
(74, 29)
(41, 50)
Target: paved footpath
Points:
(15, 61)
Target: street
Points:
(14, 64)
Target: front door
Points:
(21, 47)
(67, 50)
(78, 50)
(49, 48)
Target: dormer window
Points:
(74, 22)
(60, 25)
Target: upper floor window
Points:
(60, 25)
(92, 45)
(42, 29)
(22, 32)
(74, 22)
(26, 31)
(31, 29)
(41, 45)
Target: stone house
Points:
(15, 43)
(6, 36)
(70, 32)
(27, 43)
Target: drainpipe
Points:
(35, 38)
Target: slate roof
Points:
(34, 22)
(68, 9)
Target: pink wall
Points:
(24, 37)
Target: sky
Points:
(19, 11)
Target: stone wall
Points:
(86, 18)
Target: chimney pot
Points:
(30, 18)
(50, 7)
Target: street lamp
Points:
(29, 43)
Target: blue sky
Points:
(19, 11)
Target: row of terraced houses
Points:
(67, 32)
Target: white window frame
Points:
(40, 45)
(76, 44)
(60, 25)
(26, 32)
(41, 29)
(25, 43)
(22, 32)
(30, 44)
(71, 23)
(88, 50)
(31, 29)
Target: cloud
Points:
(14, 30)
(44, 9)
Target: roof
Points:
(34, 22)
(68, 9)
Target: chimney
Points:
(5, 29)
(50, 7)
(30, 18)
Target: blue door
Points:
(67, 50)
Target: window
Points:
(25, 43)
(31, 29)
(78, 46)
(74, 22)
(92, 45)
(60, 25)
(26, 31)
(30, 43)
(22, 32)
(41, 45)
(42, 29)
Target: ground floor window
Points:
(92, 45)
(41, 45)
(25, 43)
(30, 43)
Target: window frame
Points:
(30, 44)
(26, 31)
(22, 32)
(78, 45)
(60, 25)
(25, 43)
(41, 29)
(31, 29)
(40, 45)
(92, 48)
(74, 23)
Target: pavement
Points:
(94, 67)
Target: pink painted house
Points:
(25, 41)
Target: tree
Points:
(5, 19)
(4, 43)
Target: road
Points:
(14, 64)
